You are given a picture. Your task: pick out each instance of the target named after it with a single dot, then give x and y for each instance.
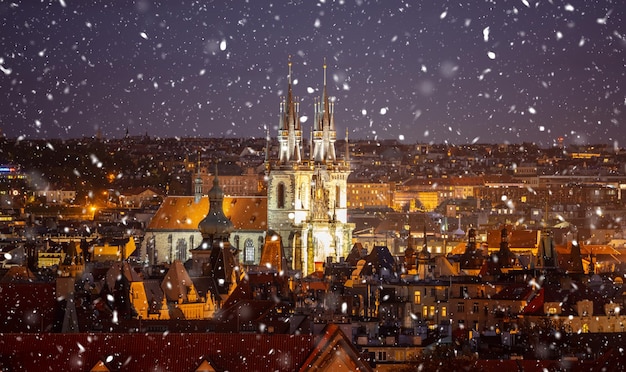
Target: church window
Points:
(280, 195)
(181, 250)
(170, 247)
(249, 250)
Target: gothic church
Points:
(307, 196)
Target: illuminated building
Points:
(307, 198)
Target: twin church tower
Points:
(307, 196)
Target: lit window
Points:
(444, 311)
(417, 297)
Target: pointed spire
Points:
(198, 182)
(290, 106)
(326, 106)
(324, 72)
(347, 147)
(216, 226)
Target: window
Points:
(280, 195)
(431, 313)
(425, 312)
(552, 310)
(417, 297)
(444, 312)
(248, 251)
(475, 308)
(181, 250)
(460, 307)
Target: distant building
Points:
(140, 197)
(57, 196)
(370, 194)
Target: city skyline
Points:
(525, 71)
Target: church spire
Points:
(347, 147)
(198, 182)
(216, 226)
(289, 128)
(324, 126)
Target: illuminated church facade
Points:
(307, 195)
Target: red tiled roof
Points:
(28, 307)
(182, 213)
(150, 352)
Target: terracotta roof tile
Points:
(182, 213)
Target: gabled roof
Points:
(182, 213)
(518, 239)
(99, 367)
(18, 274)
(176, 282)
(378, 261)
(141, 190)
(334, 352)
(119, 269)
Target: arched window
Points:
(249, 252)
(280, 195)
(170, 248)
(181, 250)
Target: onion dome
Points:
(216, 226)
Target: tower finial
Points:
(324, 71)
(289, 64)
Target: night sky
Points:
(418, 71)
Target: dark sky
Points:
(419, 71)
